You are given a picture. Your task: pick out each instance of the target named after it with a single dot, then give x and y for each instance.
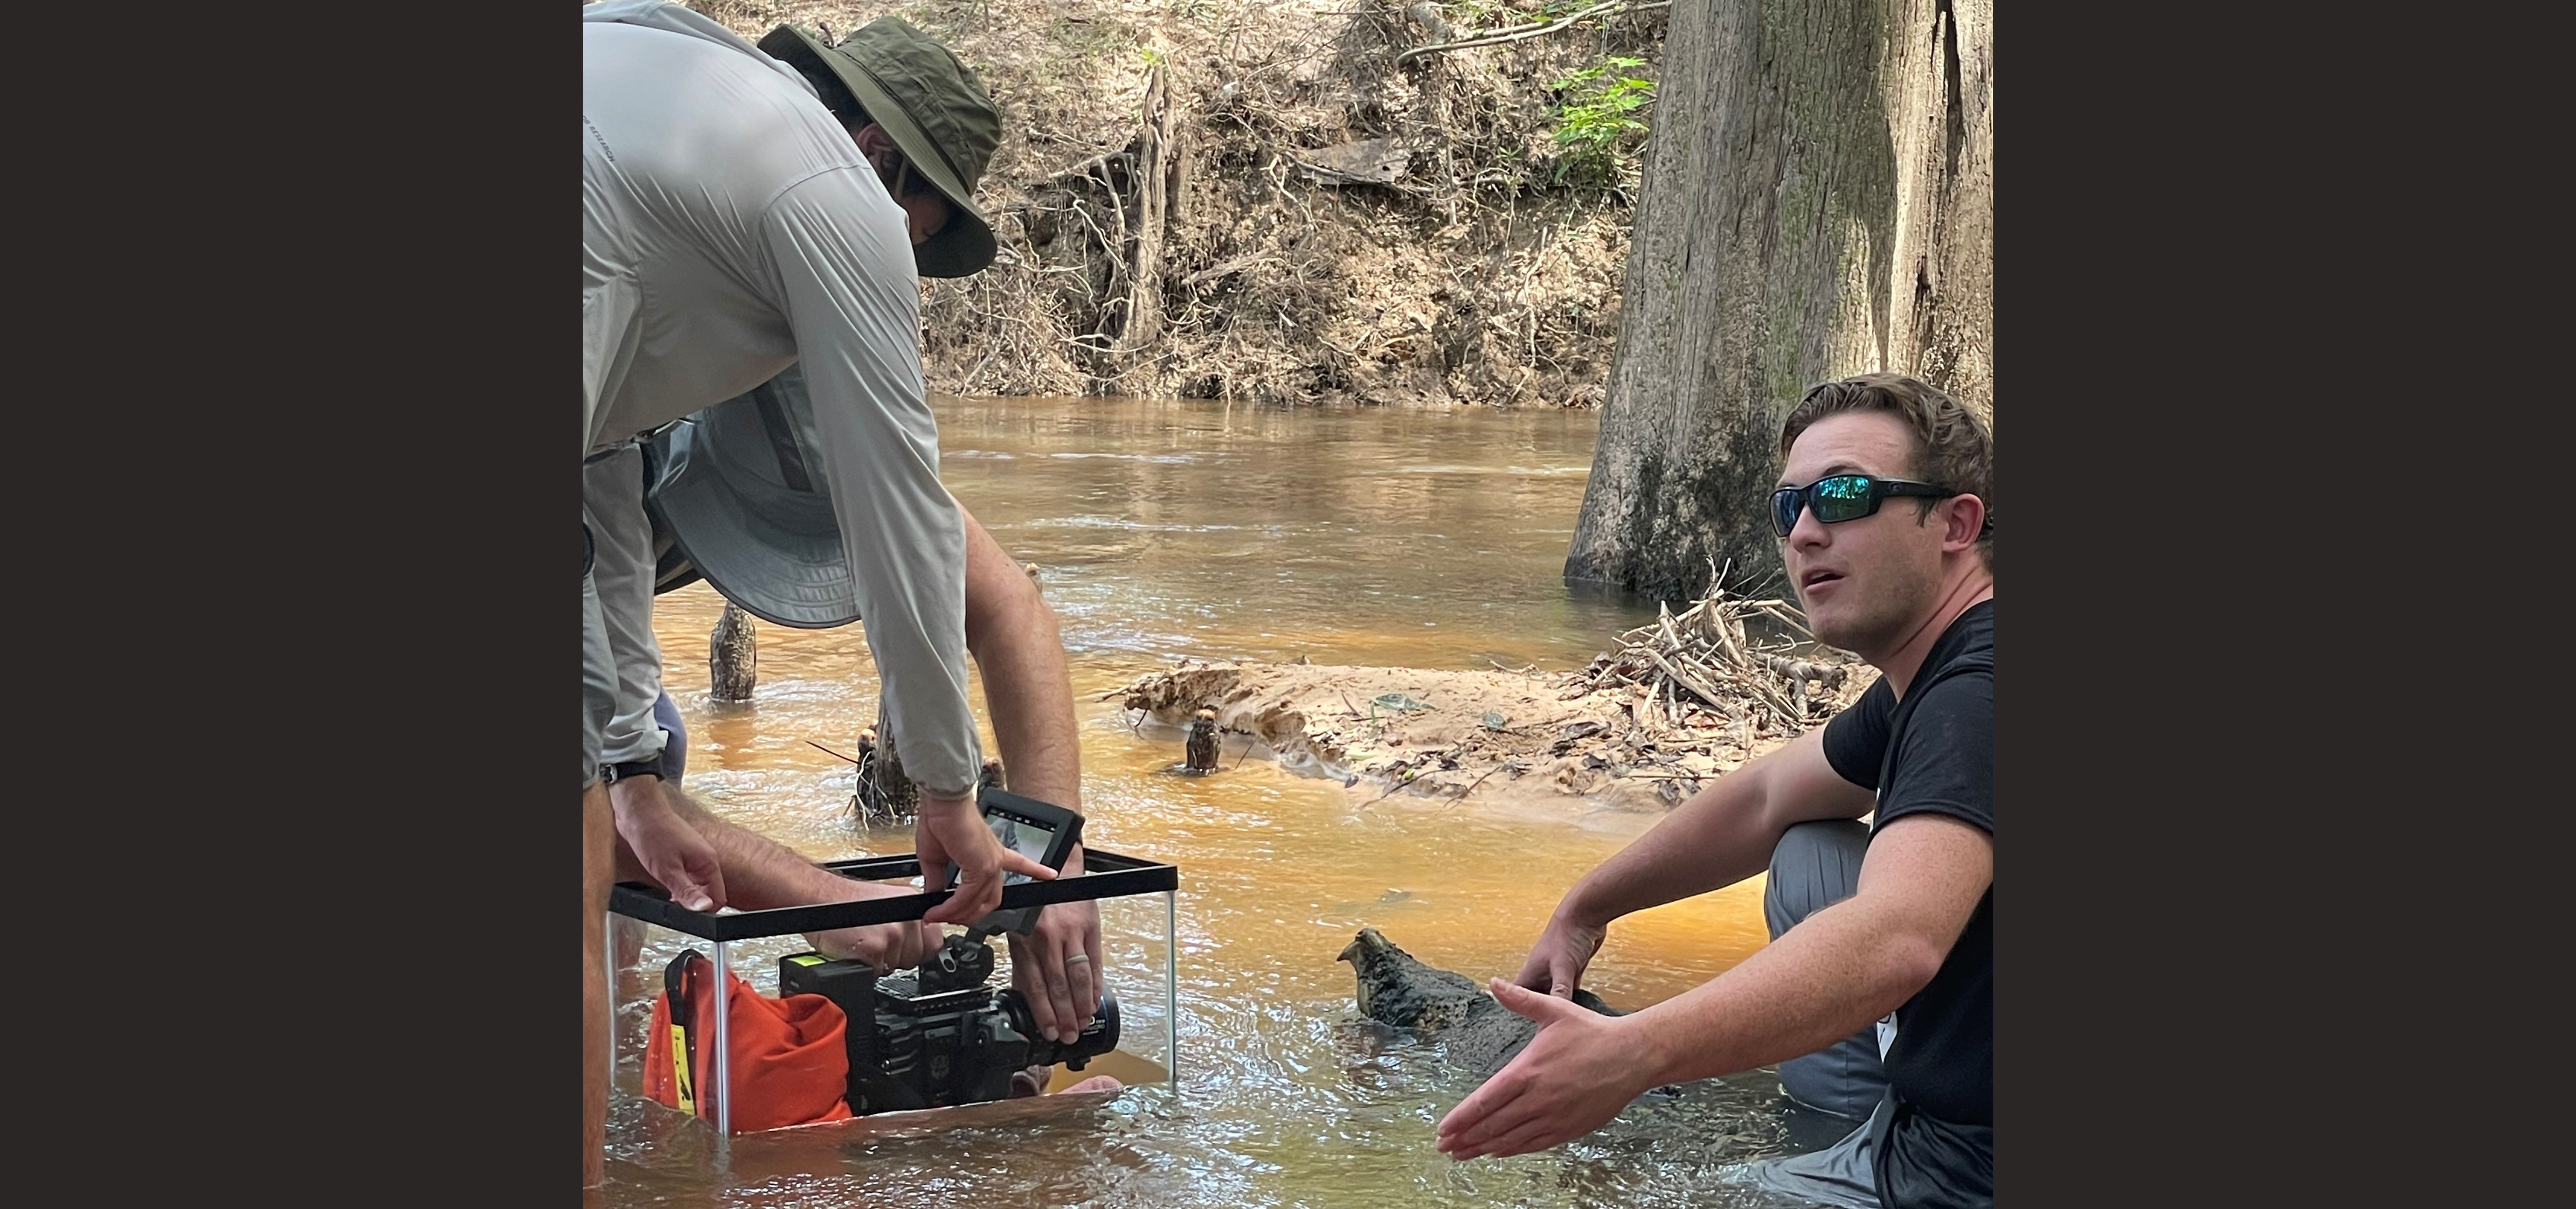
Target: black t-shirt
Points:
(1934, 753)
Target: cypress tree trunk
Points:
(1817, 201)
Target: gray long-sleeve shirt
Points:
(731, 228)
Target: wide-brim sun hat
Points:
(933, 106)
(737, 494)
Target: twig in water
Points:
(1471, 785)
(830, 752)
(1390, 792)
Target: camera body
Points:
(939, 1035)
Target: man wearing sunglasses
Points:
(1875, 996)
(747, 208)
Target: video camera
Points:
(938, 1036)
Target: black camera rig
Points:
(942, 1012)
(939, 1035)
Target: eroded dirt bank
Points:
(1286, 201)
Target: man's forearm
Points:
(1839, 969)
(759, 872)
(1028, 694)
(1822, 981)
(1028, 690)
(1717, 838)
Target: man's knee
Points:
(1815, 865)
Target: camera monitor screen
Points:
(1041, 832)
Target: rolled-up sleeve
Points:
(845, 274)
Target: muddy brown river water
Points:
(1189, 528)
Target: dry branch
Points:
(1528, 31)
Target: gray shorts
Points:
(1842, 1088)
(598, 674)
(1815, 866)
(1839, 1175)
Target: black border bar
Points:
(1104, 875)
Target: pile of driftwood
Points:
(1702, 659)
(1689, 697)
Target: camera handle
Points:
(964, 960)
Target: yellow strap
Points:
(680, 1069)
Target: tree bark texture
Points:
(733, 655)
(1817, 201)
(1154, 180)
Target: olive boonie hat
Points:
(936, 110)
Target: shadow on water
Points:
(1171, 529)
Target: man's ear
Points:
(1967, 521)
(875, 143)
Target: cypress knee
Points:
(1202, 743)
(732, 657)
(886, 793)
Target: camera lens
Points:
(1099, 1035)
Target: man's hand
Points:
(885, 947)
(1057, 968)
(1579, 1071)
(1557, 961)
(672, 852)
(1033, 1081)
(951, 831)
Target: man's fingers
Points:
(898, 945)
(1537, 1135)
(711, 882)
(1505, 1117)
(695, 888)
(1085, 975)
(1059, 994)
(1029, 955)
(977, 894)
(1017, 862)
(1467, 1122)
(1546, 1009)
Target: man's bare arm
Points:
(760, 873)
(1028, 694)
(1028, 691)
(1841, 968)
(1721, 836)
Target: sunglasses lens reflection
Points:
(1842, 498)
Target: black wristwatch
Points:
(610, 774)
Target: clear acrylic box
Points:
(929, 1036)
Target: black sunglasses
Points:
(1843, 497)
